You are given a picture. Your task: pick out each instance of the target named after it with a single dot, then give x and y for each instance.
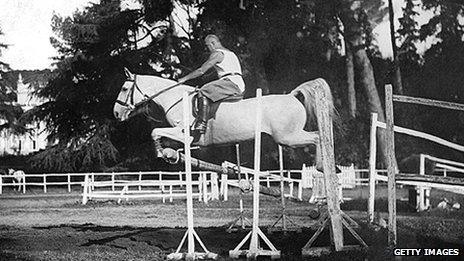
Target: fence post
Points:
(391, 170)
(112, 181)
(372, 168)
(200, 185)
(69, 183)
(24, 184)
(205, 187)
(170, 193)
(140, 180)
(85, 192)
(290, 183)
(93, 181)
(214, 186)
(45, 183)
(1, 184)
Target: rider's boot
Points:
(202, 118)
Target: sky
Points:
(26, 29)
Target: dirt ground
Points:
(56, 226)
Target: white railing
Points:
(206, 184)
(77, 179)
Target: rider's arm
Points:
(214, 58)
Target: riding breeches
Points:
(220, 89)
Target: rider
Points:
(230, 82)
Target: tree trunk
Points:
(366, 72)
(350, 83)
(354, 33)
(397, 77)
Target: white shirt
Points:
(230, 64)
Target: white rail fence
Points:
(167, 185)
(114, 181)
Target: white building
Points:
(32, 141)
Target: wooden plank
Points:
(432, 179)
(391, 171)
(424, 135)
(445, 161)
(324, 121)
(429, 102)
(372, 168)
(447, 167)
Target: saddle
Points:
(214, 106)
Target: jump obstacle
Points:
(190, 234)
(256, 234)
(393, 177)
(334, 216)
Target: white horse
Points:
(287, 118)
(18, 176)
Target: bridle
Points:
(130, 97)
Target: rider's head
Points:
(212, 42)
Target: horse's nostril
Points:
(116, 114)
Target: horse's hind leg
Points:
(300, 139)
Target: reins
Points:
(148, 98)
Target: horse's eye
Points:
(125, 88)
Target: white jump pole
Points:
(255, 250)
(191, 235)
(282, 196)
(372, 168)
(254, 243)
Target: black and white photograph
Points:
(231, 130)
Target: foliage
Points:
(280, 44)
(82, 89)
(409, 33)
(9, 111)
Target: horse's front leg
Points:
(174, 133)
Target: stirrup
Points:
(200, 127)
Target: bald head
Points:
(212, 42)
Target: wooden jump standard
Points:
(334, 215)
(255, 234)
(190, 234)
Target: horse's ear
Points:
(129, 75)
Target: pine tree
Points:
(10, 112)
(409, 37)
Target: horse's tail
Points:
(306, 94)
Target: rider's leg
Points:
(203, 112)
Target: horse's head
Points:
(11, 171)
(138, 90)
(127, 97)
